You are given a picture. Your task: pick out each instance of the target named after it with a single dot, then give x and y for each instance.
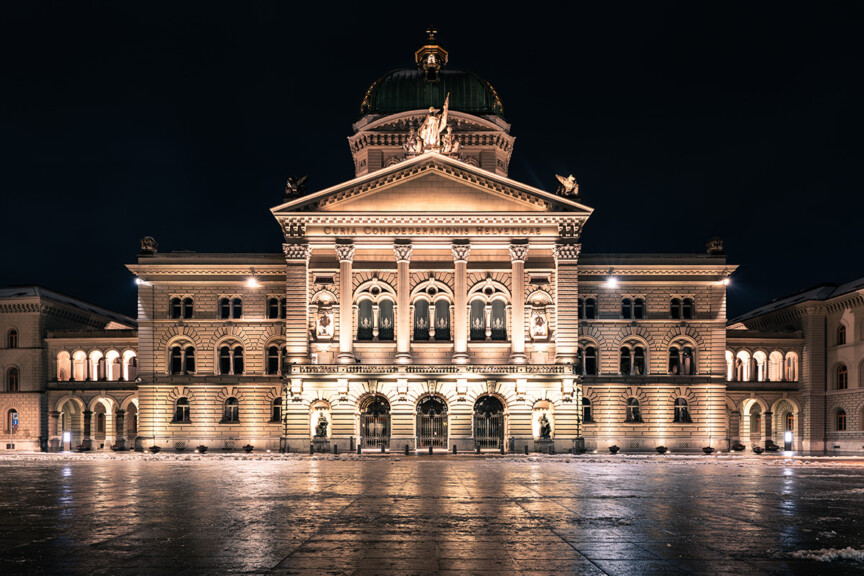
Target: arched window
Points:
(730, 365)
(224, 309)
(675, 308)
(238, 360)
(188, 360)
(365, 320)
(761, 361)
(442, 320)
(276, 410)
(842, 377)
(632, 360)
(176, 364)
(775, 366)
(587, 417)
(12, 339)
(100, 422)
(674, 361)
(682, 412)
(840, 420)
(841, 335)
(791, 372)
(175, 308)
(627, 308)
(580, 308)
(589, 357)
(224, 360)
(12, 380)
(10, 416)
(231, 413)
(499, 320)
(181, 410)
(421, 320)
(626, 364)
(688, 366)
(237, 308)
(274, 357)
(590, 309)
(639, 308)
(634, 414)
(188, 308)
(478, 320)
(790, 422)
(687, 308)
(387, 320)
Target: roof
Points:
(818, 293)
(404, 89)
(27, 292)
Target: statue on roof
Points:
(295, 186)
(568, 187)
(449, 144)
(434, 124)
(413, 144)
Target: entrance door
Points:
(488, 422)
(375, 422)
(432, 422)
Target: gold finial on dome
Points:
(431, 57)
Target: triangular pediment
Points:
(431, 183)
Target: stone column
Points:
(460, 295)
(345, 252)
(297, 302)
(87, 442)
(566, 302)
(403, 289)
(54, 436)
(518, 252)
(120, 424)
(735, 425)
(767, 427)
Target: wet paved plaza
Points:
(141, 514)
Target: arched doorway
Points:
(432, 422)
(488, 422)
(375, 422)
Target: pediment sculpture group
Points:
(433, 135)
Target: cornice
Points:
(452, 370)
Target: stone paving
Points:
(439, 515)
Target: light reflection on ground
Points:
(139, 514)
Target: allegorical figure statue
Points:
(545, 427)
(433, 125)
(296, 186)
(413, 144)
(568, 187)
(321, 428)
(449, 143)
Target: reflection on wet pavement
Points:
(425, 515)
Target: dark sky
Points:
(182, 121)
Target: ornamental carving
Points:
(403, 252)
(567, 251)
(570, 228)
(297, 251)
(460, 252)
(518, 252)
(293, 228)
(345, 252)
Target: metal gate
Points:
(374, 431)
(489, 431)
(431, 431)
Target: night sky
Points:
(182, 121)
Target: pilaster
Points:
(460, 306)
(345, 253)
(567, 302)
(297, 302)
(403, 289)
(518, 253)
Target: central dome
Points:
(428, 85)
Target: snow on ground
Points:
(830, 554)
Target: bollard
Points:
(311, 449)
(502, 449)
(430, 450)
(359, 449)
(382, 449)
(335, 448)
(454, 450)
(406, 450)
(478, 449)
(551, 450)
(526, 449)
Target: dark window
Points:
(224, 360)
(232, 410)
(478, 320)
(499, 320)
(176, 360)
(283, 308)
(421, 320)
(385, 320)
(687, 364)
(841, 420)
(587, 418)
(626, 308)
(273, 308)
(626, 361)
(639, 308)
(790, 421)
(238, 360)
(273, 360)
(590, 360)
(236, 308)
(841, 335)
(224, 308)
(687, 308)
(682, 412)
(442, 320)
(675, 308)
(590, 308)
(188, 308)
(181, 410)
(12, 380)
(639, 360)
(674, 361)
(276, 410)
(12, 339)
(842, 377)
(580, 308)
(100, 422)
(189, 359)
(634, 414)
(365, 320)
(175, 309)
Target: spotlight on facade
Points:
(725, 281)
(612, 282)
(252, 282)
(141, 282)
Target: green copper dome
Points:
(403, 90)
